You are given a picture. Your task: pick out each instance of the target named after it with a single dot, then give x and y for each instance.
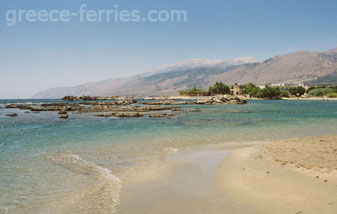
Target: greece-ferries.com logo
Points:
(84, 14)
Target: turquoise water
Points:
(81, 165)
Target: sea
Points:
(87, 164)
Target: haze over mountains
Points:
(299, 67)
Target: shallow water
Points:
(98, 165)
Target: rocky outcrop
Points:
(157, 115)
(73, 98)
(105, 115)
(70, 98)
(120, 114)
(176, 109)
(224, 99)
(161, 115)
(127, 114)
(126, 107)
(167, 102)
(110, 108)
(219, 99)
(19, 106)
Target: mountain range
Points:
(301, 67)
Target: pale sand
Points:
(290, 176)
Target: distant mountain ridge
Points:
(298, 67)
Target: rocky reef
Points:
(122, 106)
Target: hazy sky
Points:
(37, 56)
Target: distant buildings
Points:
(238, 89)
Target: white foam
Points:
(107, 187)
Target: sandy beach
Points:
(291, 176)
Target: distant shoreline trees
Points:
(217, 88)
(194, 92)
(268, 92)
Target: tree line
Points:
(217, 88)
(268, 92)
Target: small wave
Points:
(103, 197)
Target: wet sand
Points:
(187, 187)
(289, 176)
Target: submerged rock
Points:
(105, 115)
(127, 114)
(20, 106)
(62, 112)
(157, 115)
(120, 114)
(195, 110)
(176, 109)
(12, 115)
(64, 116)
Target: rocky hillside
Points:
(297, 67)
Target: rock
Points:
(216, 99)
(70, 98)
(202, 102)
(37, 109)
(166, 102)
(64, 116)
(158, 115)
(105, 115)
(129, 114)
(88, 98)
(225, 99)
(19, 106)
(12, 115)
(176, 109)
(158, 108)
(195, 110)
(27, 112)
(62, 112)
(170, 114)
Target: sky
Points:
(35, 56)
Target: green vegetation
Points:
(319, 92)
(267, 93)
(250, 89)
(332, 95)
(284, 93)
(194, 92)
(270, 92)
(297, 91)
(219, 88)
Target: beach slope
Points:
(289, 176)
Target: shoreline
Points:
(288, 176)
(244, 97)
(180, 97)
